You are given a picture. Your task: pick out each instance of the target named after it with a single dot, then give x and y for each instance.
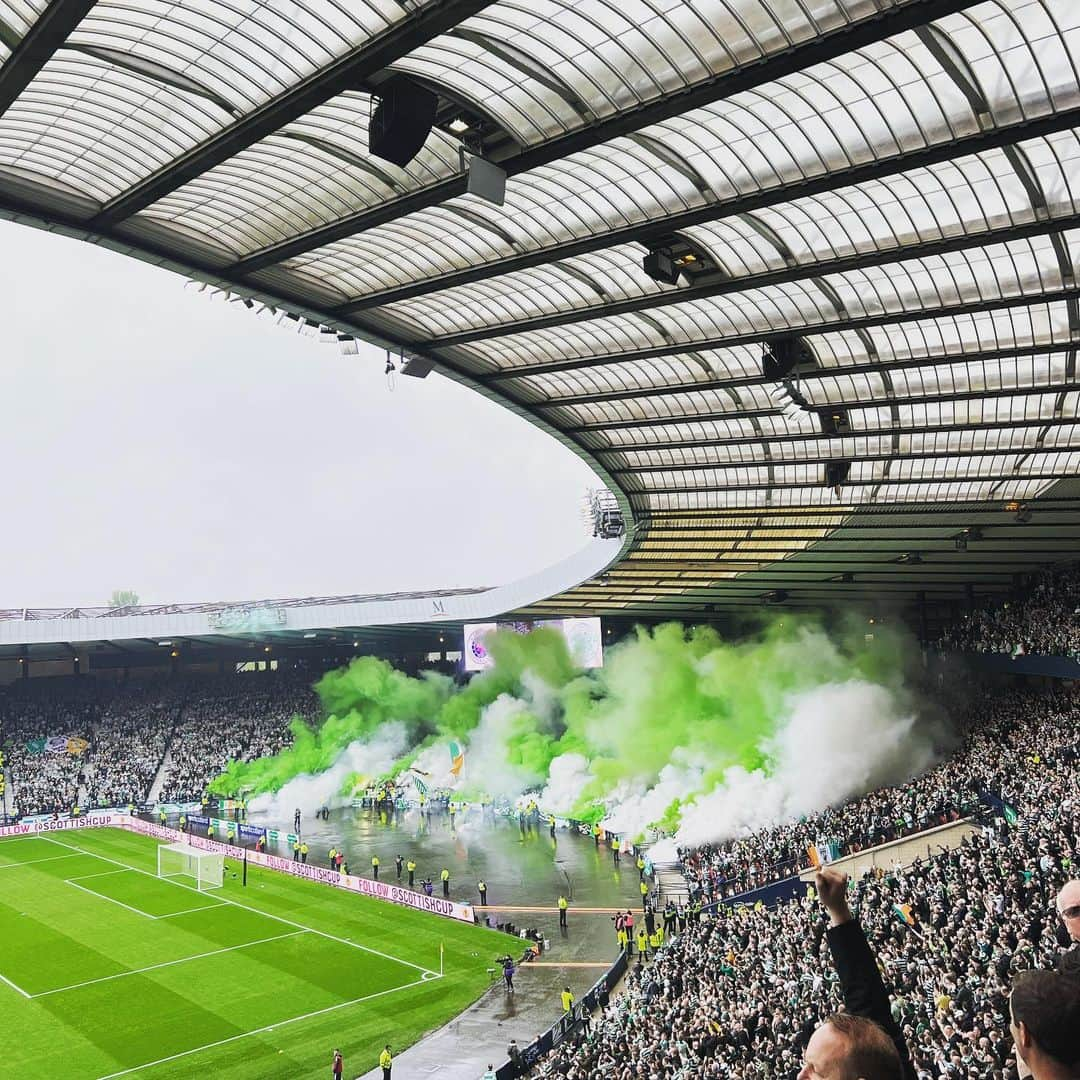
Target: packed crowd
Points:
(128, 743)
(89, 743)
(32, 712)
(738, 993)
(233, 719)
(1043, 620)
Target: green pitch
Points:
(107, 971)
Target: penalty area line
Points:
(167, 963)
(87, 877)
(4, 979)
(34, 862)
(101, 896)
(263, 1030)
(245, 907)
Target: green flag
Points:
(1011, 815)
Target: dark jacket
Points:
(861, 984)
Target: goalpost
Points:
(206, 869)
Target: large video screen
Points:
(583, 637)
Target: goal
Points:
(201, 869)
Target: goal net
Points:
(190, 866)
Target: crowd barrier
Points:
(568, 1024)
(377, 890)
(775, 893)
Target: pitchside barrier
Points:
(569, 1024)
(378, 890)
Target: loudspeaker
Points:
(779, 359)
(661, 267)
(836, 472)
(401, 121)
(416, 367)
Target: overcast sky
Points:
(158, 440)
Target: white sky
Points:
(158, 440)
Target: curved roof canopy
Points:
(871, 206)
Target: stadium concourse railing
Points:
(377, 890)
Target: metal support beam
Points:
(608, 451)
(698, 562)
(49, 32)
(858, 403)
(643, 232)
(775, 66)
(819, 485)
(871, 368)
(658, 537)
(963, 513)
(850, 455)
(691, 561)
(828, 326)
(346, 73)
(945, 562)
(725, 286)
(755, 581)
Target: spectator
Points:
(92, 743)
(945, 793)
(1042, 620)
(850, 1047)
(235, 718)
(863, 991)
(1045, 1023)
(1068, 906)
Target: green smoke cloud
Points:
(667, 696)
(356, 702)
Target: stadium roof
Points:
(314, 622)
(216, 607)
(868, 210)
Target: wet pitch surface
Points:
(522, 870)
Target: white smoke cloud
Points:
(486, 763)
(832, 742)
(634, 806)
(567, 778)
(837, 741)
(543, 698)
(370, 757)
(434, 762)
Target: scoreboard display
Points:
(584, 639)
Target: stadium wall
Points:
(903, 851)
(1054, 667)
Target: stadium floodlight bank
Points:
(203, 869)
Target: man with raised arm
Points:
(846, 1046)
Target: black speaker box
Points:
(401, 121)
(836, 472)
(661, 267)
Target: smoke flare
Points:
(681, 730)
